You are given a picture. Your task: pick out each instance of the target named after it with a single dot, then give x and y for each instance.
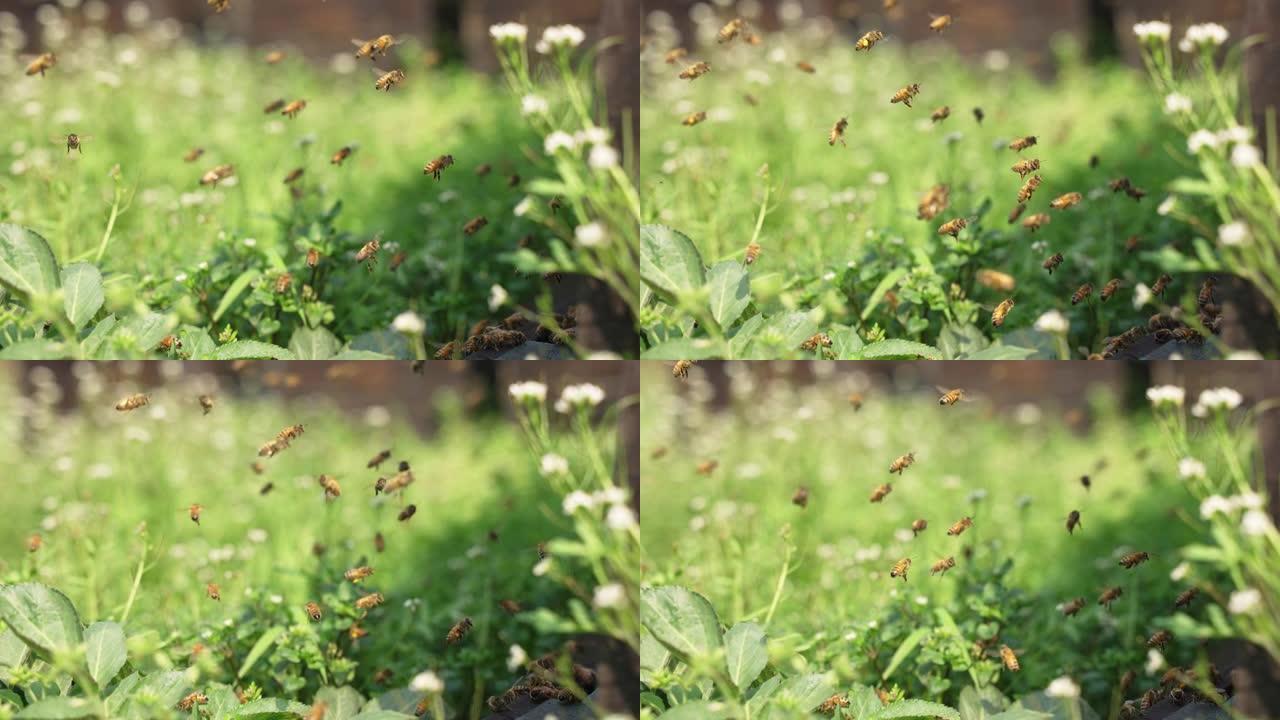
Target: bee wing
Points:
(60, 139)
(357, 43)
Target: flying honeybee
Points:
(1037, 221)
(1109, 596)
(1072, 607)
(387, 80)
(1082, 294)
(437, 166)
(940, 22)
(868, 41)
(829, 706)
(752, 253)
(979, 115)
(195, 698)
(801, 497)
(960, 526)
(274, 57)
(934, 202)
(1010, 660)
(1026, 167)
(374, 48)
(194, 513)
(331, 487)
(1110, 289)
(706, 467)
(731, 30)
(918, 526)
(1205, 296)
(217, 174)
(378, 459)
(193, 154)
(694, 118)
(407, 513)
(356, 574)
(996, 280)
(1022, 143)
(940, 114)
(1159, 639)
(457, 632)
(206, 403)
(1001, 312)
(695, 71)
(1162, 284)
(950, 397)
(881, 492)
(905, 94)
(212, 590)
(1016, 212)
(855, 401)
(1064, 202)
(681, 368)
(943, 565)
(219, 6)
(370, 601)
(674, 55)
(1028, 189)
(1073, 521)
(293, 176)
(902, 463)
(1053, 262)
(133, 402)
(292, 109)
(1185, 597)
(274, 106)
(837, 132)
(34, 543)
(73, 141)
(900, 569)
(43, 62)
(314, 612)
(474, 225)
(369, 252)
(953, 227)
(806, 67)
(1134, 559)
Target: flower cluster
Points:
(1152, 30)
(528, 390)
(1215, 504)
(1216, 399)
(560, 36)
(1204, 35)
(508, 32)
(1166, 395)
(584, 395)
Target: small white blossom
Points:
(1201, 139)
(1203, 35)
(1244, 601)
(1153, 29)
(582, 395)
(553, 464)
(1155, 661)
(1189, 467)
(1246, 156)
(1215, 504)
(528, 390)
(1053, 322)
(602, 157)
(1141, 295)
(1167, 205)
(559, 140)
(1233, 234)
(1223, 398)
(590, 235)
(498, 297)
(1180, 572)
(557, 36)
(1166, 395)
(1063, 687)
(516, 658)
(1248, 501)
(523, 207)
(542, 567)
(409, 323)
(257, 535)
(578, 500)
(612, 495)
(1177, 103)
(508, 31)
(620, 517)
(534, 105)
(1255, 522)
(427, 682)
(1236, 134)
(610, 595)
(593, 135)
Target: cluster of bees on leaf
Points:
(540, 684)
(1164, 328)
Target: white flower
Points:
(558, 36)
(1236, 134)
(1244, 601)
(1246, 156)
(1189, 467)
(1167, 205)
(409, 323)
(602, 157)
(594, 135)
(427, 682)
(620, 517)
(612, 495)
(508, 31)
(497, 297)
(1215, 504)
(1155, 661)
(1141, 295)
(516, 658)
(1152, 29)
(1233, 234)
(1053, 322)
(1223, 398)
(610, 595)
(528, 390)
(524, 206)
(542, 567)
(583, 395)
(553, 464)
(1203, 35)
(559, 140)
(578, 500)
(257, 535)
(1177, 103)
(1063, 687)
(1201, 139)
(1180, 572)
(534, 105)
(1166, 394)
(590, 235)
(1255, 522)
(1248, 501)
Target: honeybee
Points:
(317, 711)
(356, 574)
(943, 565)
(378, 459)
(274, 57)
(374, 48)
(1110, 289)
(1072, 607)
(1160, 639)
(43, 62)
(292, 109)
(513, 180)
(979, 115)
(1086, 482)
(1053, 262)
(217, 174)
(206, 403)
(940, 114)
(314, 612)
(902, 463)
(369, 252)
(996, 280)
(511, 607)
(950, 397)
(218, 7)
(752, 253)
(855, 400)
(900, 569)
(816, 341)
(1010, 660)
(34, 543)
(868, 41)
(1064, 202)
(1026, 167)
(940, 22)
(421, 709)
(293, 176)
(953, 227)
(194, 512)
(474, 225)
(483, 169)
(1126, 681)
(383, 676)
(960, 526)
(1134, 559)
(1149, 698)
(731, 30)
(355, 632)
(1119, 185)
(379, 542)
(1037, 221)
(806, 67)
(401, 480)
(73, 141)
(1029, 188)
(370, 601)
(1082, 293)
(681, 368)
(934, 202)
(407, 513)
(801, 497)
(273, 106)
(193, 154)
(674, 55)
(437, 166)
(1022, 143)
(457, 632)
(195, 698)
(397, 260)
(331, 487)
(828, 706)
(695, 71)
(918, 526)
(905, 94)
(1001, 312)
(1162, 284)
(1073, 521)
(881, 492)
(133, 402)
(389, 79)
(212, 590)
(446, 351)
(1109, 596)
(706, 467)
(1205, 297)
(1185, 597)
(694, 118)
(837, 132)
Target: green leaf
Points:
(350, 354)
(120, 695)
(260, 648)
(196, 342)
(745, 334)
(763, 693)
(863, 702)
(81, 293)
(981, 704)
(223, 702)
(681, 619)
(238, 286)
(1001, 352)
(104, 651)
(846, 344)
(699, 710)
(13, 653)
(746, 653)
(402, 700)
(1019, 713)
(250, 350)
(147, 330)
(900, 349)
(808, 691)
(786, 331)
(317, 344)
(908, 644)
(383, 715)
(917, 709)
(886, 284)
(669, 262)
(10, 697)
(684, 349)
(27, 265)
(730, 290)
(37, 349)
(343, 703)
(61, 708)
(91, 344)
(272, 709)
(1191, 186)
(43, 617)
(167, 687)
(653, 654)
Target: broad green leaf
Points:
(27, 265)
(147, 330)
(846, 344)
(808, 691)
(81, 293)
(104, 651)
(900, 349)
(343, 703)
(746, 653)
(272, 709)
(981, 704)
(121, 693)
(10, 697)
(196, 343)
(1001, 352)
(317, 344)
(698, 710)
(669, 262)
(785, 331)
(62, 708)
(13, 653)
(746, 333)
(93, 342)
(250, 350)
(1190, 186)
(863, 702)
(41, 616)
(762, 693)
(265, 641)
(402, 700)
(730, 292)
(380, 714)
(1017, 713)
(653, 654)
(223, 702)
(384, 342)
(917, 709)
(681, 619)
(886, 284)
(1058, 708)
(37, 349)
(237, 288)
(167, 687)
(684, 349)
(350, 354)
(908, 644)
